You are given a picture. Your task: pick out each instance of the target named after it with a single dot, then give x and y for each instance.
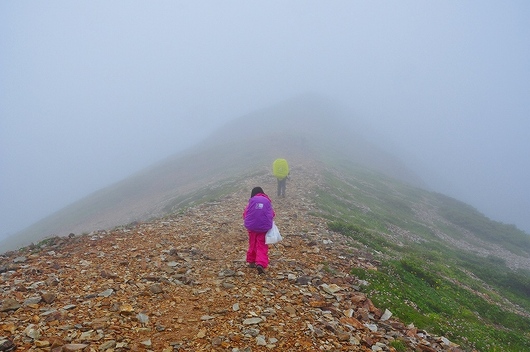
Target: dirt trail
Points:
(181, 283)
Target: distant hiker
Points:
(280, 170)
(258, 216)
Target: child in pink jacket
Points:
(258, 216)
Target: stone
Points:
(303, 280)
(142, 318)
(8, 327)
(41, 344)
(252, 321)
(201, 334)
(126, 309)
(358, 298)
(32, 331)
(106, 293)
(228, 285)
(32, 300)
(217, 341)
(351, 321)
(291, 310)
(319, 333)
(251, 332)
(49, 297)
(7, 345)
(260, 340)
(343, 336)
(372, 327)
(9, 304)
(86, 335)
(386, 315)
(331, 289)
(227, 273)
(155, 289)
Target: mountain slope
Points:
(354, 218)
(356, 244)
(307, 127)
(404, 213)
(181, 283)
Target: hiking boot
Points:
(251, 265)
(261, 270)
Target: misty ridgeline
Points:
(370, 261)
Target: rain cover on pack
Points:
(259, 216)
(280, 168)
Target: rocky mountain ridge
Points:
(306, 127)
(181, 283)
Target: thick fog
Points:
(93, 91)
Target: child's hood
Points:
(263, 195)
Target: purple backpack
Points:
(259, 214)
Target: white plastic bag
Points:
(273, 235)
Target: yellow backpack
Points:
(280, 168)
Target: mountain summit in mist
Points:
(308, 127)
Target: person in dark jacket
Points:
(258, 217)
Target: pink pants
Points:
(258, 251)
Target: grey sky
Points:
(92, 91)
